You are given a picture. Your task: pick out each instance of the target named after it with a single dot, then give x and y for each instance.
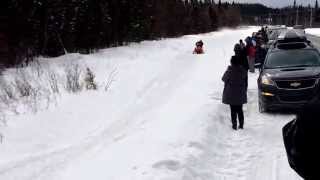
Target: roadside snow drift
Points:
(313, 31)
(161, 118)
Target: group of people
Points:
(255, 48)
(299, 135)
(248, 53)
(235, 77)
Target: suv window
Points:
(292, 58)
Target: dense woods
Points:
(30, 28)
(54, 27)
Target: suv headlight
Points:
(266, 80)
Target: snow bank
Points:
(313, 31)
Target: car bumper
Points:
(274, 98)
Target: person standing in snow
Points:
(301, 143)
(260, 55)
(235, 90)
(243, 46)
(251, 54)
(264, 34)
(240, 54)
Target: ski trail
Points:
(225, 156)
(44, 165)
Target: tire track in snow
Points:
(43, 166)
(227, 155)
(250, 154)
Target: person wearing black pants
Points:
(235, 81)
(236, 111)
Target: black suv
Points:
(290, 75)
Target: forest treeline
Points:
(53, 27)
(31, 28)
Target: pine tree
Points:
(53, 27)
(316, 12)
(214, 18)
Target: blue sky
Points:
(276, 3)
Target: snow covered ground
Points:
(161, 119)
(313, 31)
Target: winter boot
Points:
(234, 127)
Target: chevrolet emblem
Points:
(295, 84)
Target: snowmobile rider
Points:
(235, 81)
(199, 48)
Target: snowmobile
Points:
(199, 48)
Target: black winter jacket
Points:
(235, 85)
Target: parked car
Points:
(289, 77)
(273, 33)
(270, 29)
(298, 27)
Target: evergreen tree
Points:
(316, 12)
(55, 27)
(219, 4)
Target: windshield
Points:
(292, 58)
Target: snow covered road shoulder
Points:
(313, 31)
(162, 119)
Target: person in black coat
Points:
(261, 53)
(235, 90)
(302, 143)
(241, 54)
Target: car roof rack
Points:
(298, 26)
(292, 45)
(292, 39)
(292, 36)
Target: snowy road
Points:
(162, 120)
